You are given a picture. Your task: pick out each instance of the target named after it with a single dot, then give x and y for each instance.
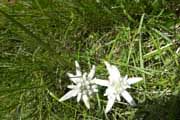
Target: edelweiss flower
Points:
(82, 87)
(116, 86)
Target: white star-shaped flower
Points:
(83, 88)
(116, 86)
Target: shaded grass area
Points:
(159, 109)
(40, 40)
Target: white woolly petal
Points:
(86, 101)
(125, 78)
(74, 78)
(128, 98)
(110, 103)
(79, 97)
(94, 86)
(134, 80)
(84, 76)
(68, 95)
(78, 69)
(95, 90)
(90, 92)
(71, 86)
(114, 74)
(101, 82)
(109, 91)
(108, 66)
(118, 98)
(92, 72)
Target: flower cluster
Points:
(85, 84)
(82, 87)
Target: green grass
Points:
(40, 40)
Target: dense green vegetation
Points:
(41, 39)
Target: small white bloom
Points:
(83, 88)
(178, 50)
(116, 86)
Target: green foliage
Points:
(41, 39)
